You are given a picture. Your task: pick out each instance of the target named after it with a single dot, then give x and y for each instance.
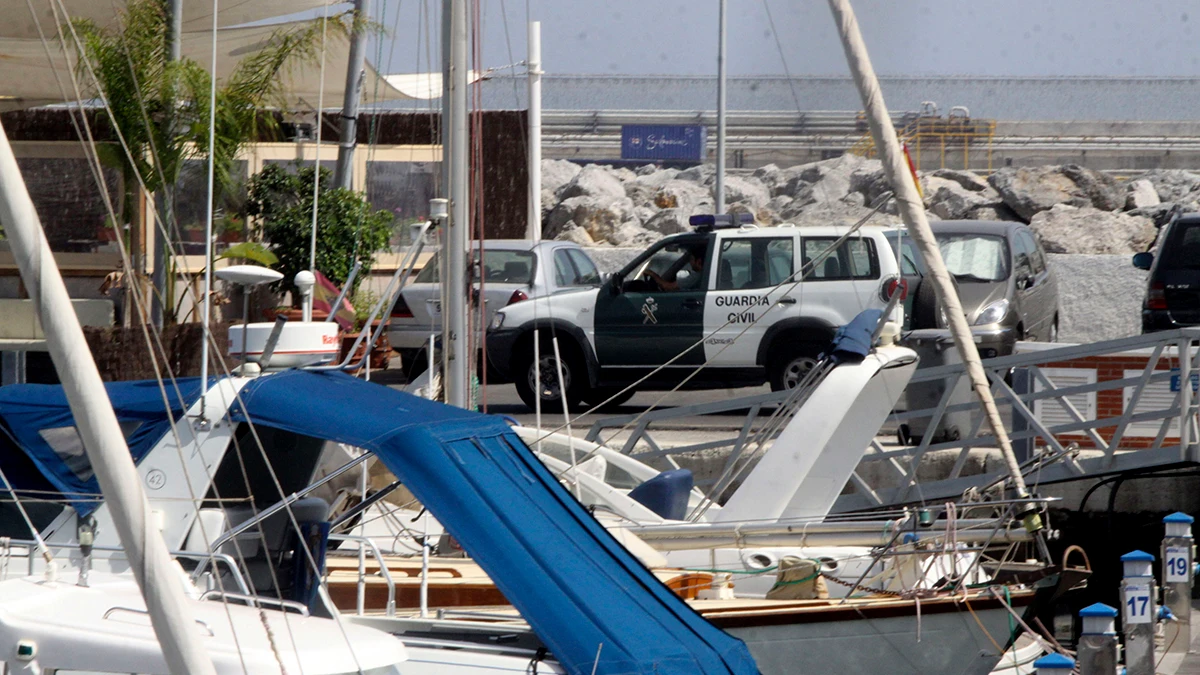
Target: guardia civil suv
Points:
(728, 305)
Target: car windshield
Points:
(499, 266)
(974, 257)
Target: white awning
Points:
(20, 23)
(28, 77)
(423, 86)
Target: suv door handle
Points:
(787, 301)
(692, 303)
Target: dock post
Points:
(1054, 664)
(1177, 557)
(1138, 612)
(1097, 647)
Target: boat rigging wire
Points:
(140, 306)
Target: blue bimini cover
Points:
(578, 588)
(39, 421)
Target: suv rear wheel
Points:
(787, 370)
(574, 379)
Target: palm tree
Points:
(161, 108)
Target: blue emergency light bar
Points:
(720, 220)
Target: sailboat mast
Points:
(912, 211)
(719, 184)
(97, 424)
(354, 81)
(454, 151)
(533, 63)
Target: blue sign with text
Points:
(663, 141)
(1175, 378)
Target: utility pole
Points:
(455, 341)
(533, 64)
(719, 185)
(163, 202)
(344, 173)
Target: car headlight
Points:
(993, 313)
(497, 321)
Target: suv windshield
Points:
(975, 257)
(499, 266)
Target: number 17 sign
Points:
(1138, 606)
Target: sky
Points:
(1141, 38)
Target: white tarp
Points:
(423, 86)
(28, 76)
(19, 22)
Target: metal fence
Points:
(1073, 411)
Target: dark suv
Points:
(1173, 287)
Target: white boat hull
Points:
(942, 643)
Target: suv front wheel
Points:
(574, 379)
(788, 369)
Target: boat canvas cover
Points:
(39, 421)
(579, 589)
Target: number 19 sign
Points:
(1177, 567)
(1138, 606)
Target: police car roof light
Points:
(710, 221)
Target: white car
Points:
(741, 305)
(513, 271)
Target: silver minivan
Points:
(1007, 288)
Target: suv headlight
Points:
(993, 313)
(497, 321)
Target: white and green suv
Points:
(725, 298)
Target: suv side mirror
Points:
(1143, 260)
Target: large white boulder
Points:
(601, 218)
(1031, 190)
(1173, 185)
(1069, 229)
(687, 196)
(748, 191)
(593, 181)
(1141, 195)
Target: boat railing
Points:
(256, 601)
(365, 543)
(30, 547)
(1072, 411)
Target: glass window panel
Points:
(586, 269)
(66, 443)
(564, 271)
(403, 188)
(70, 204)
(191, 210)
(854, 259)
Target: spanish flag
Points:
(912, 169)
(325, 293)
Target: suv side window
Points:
(754, 263)
(854, 259)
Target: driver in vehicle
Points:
(691, 280)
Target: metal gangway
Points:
(1073, 412)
